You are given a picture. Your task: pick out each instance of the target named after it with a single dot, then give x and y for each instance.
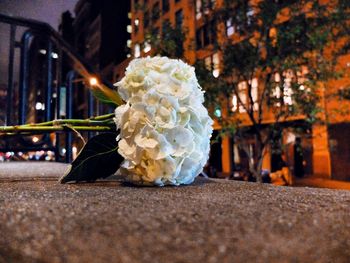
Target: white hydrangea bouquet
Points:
(164, 129)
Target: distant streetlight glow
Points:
(74, 151)
(39, 106)
(217, 112)
(35, 139)
(93, 81)
(54, 55)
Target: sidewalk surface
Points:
(322, 183)
(209, 221)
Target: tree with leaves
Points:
(274, 67)
(169, 43)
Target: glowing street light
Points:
(40, 106)
(93, 81)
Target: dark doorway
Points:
(340, 150)
(215, 162)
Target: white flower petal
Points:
(164, 127)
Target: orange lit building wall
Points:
(192, 22)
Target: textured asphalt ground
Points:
(209, 221)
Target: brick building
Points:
(327, 152)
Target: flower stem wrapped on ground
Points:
(164, 128)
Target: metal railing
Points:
(55, 79)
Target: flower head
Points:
(164, 128)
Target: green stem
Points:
(111, 94)
(87, 122)
(98, 120)
(98, 123)
(104, 117)
(19, 129)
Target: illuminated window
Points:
(236, 156)
(129, 28)
(207, 62)
(198, 9)
(277, 77)
(302, 78)
(287, 87)
(136, 25)
(137, 51)
(254, 93)
(243, 96)
(147, 47)
(277, 94)
(250, 15)
(212, 63)
(242, 93)
(216, 65)
(230, 29)
(234, 103)
(285, 92)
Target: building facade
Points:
(326, 152)
(99, 34)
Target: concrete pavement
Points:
(209, 221)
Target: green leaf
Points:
(103, 98)
(98, 159)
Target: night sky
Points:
(45, 10)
